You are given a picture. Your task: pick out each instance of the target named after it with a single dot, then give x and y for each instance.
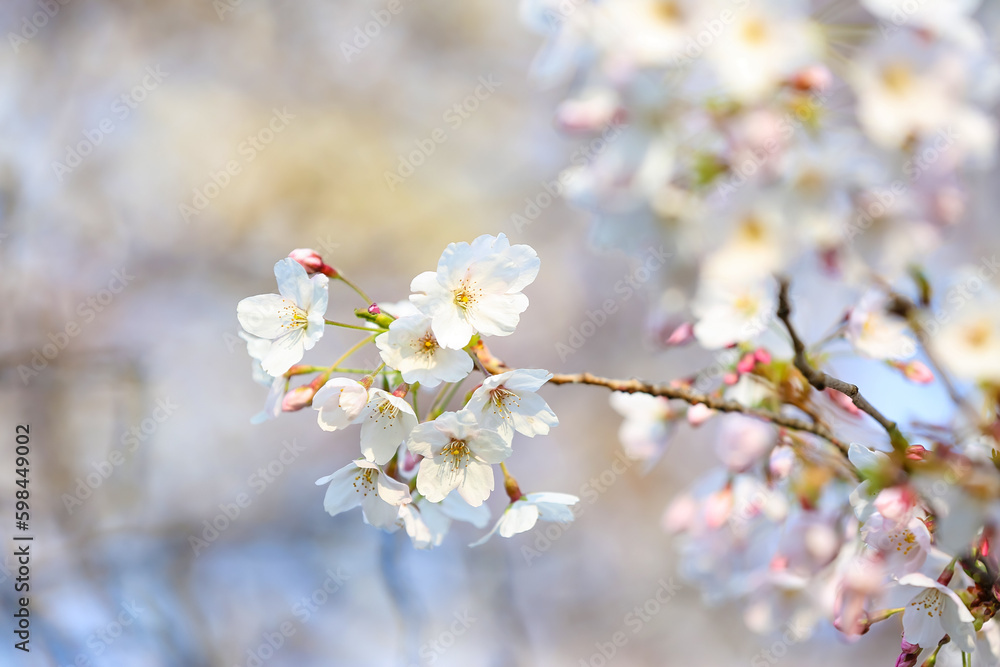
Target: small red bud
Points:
(374, 309)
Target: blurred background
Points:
(156, 159)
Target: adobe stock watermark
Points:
(708, 33)
(247, 151)
(432, 650)
(303, 610)
(625, 289)
(546, 534)
(120, 110)
(364, 34)
(553, 190)
(258, 482)
(454, 116)
(902, 12)
(786, 126)
(881, 201)
(130, 440)
(100, 641)
(87, 311)
(793, 634)
(223, 7)
(637, 619)
(30, 25)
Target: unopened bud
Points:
(374, 309)
(762, 356)
(916, 371)
(312, 262)
(812, 78)
(699, 413)
(298, 398)
(746, 364)
(681, 335)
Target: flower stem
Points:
(354, 348)
(346, 326)
(340, 276)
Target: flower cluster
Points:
(746, 139)
(417, 471)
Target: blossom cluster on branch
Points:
(770, 146)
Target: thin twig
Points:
(821, 380)
(634, 386)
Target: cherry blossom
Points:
(411, 348)
(386, 421)
(363, 483)
(648, 426)
(292, 320)
(339, 403)
(522, 514)
(935, 611)
(476, 289)
(458, 454)
(507, 403)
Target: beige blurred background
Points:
(168, 338)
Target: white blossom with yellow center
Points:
(458, 454)
(476, 289)
(411, 348)
(507, 402)
(363, 483)
(291, 321)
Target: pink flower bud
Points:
(698, 414)
(843, 402)
(718, 507)
(730, 378)
(762, 356)
(747, 363)
(909, 654)
(681, 335)
(679, 515)
(917, 371)
(374, 309)
(916, 452)
(298, 398)
(312, 262)
(813, 77)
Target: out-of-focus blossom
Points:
(742, 442)
(732, 312)
(648, 425)
(969, 345)
(876, 333)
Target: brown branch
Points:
(821, 380)
(495, 365)
(911, 312)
